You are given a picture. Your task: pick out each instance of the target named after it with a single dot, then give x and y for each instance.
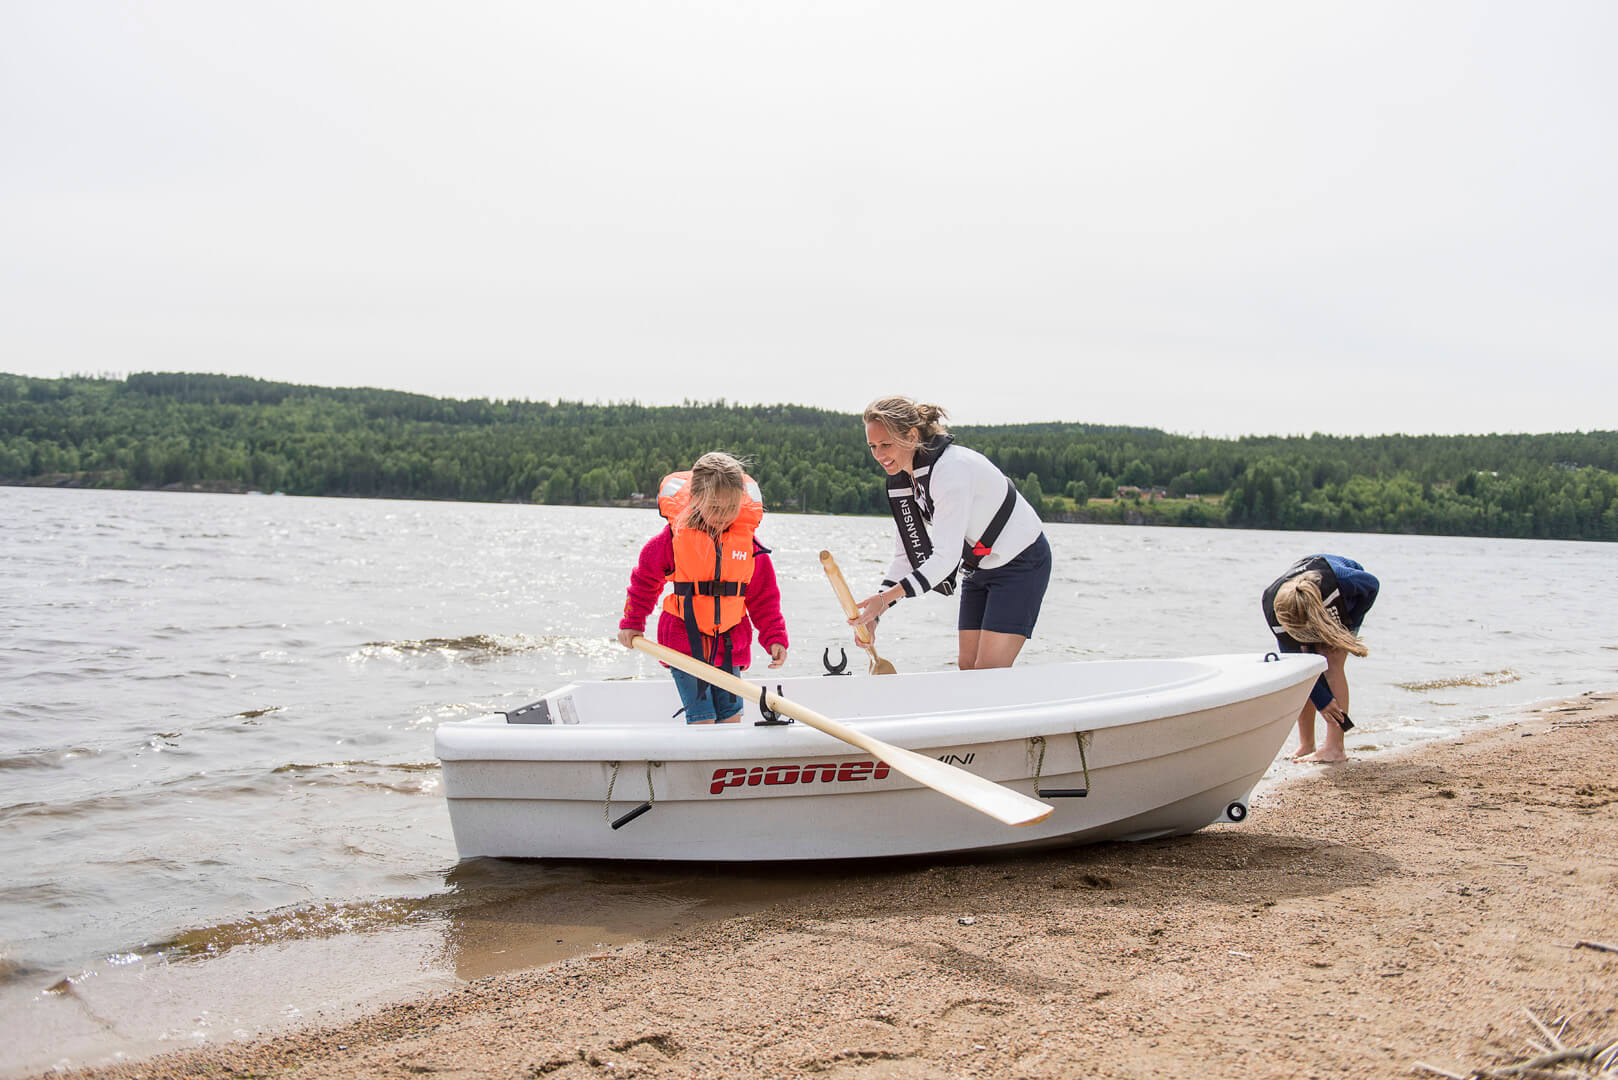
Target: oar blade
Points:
(981, 794)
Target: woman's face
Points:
(895, 453)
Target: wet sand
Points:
(1367, 916)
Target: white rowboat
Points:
(601, 770)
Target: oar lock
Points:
(771, 717)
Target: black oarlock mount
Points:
(771, 717)
(841, 667)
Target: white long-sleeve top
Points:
(966, 490)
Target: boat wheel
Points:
(1236, 811)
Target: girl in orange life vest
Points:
(724, 582)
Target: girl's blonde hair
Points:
(715, 476)
(900, 414)
(1305, 617)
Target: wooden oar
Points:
(1000, 803)
(879, 666)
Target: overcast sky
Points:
(1210, 217)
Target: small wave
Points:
(12, 969)
(253, 714)
(469, 648)
(1487, 678)
(420, 778)
(44, 759)
(316, 921)
(408, 778)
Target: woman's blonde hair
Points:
(1305, 617)
(900, 414)
(714, 476)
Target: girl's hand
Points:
(778, 655)
(626, 638)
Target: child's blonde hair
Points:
(900, 414)
(1305, 617)
(714, 477)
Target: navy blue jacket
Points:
(1348, 590)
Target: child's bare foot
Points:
(1302, 753)
(1326, 756)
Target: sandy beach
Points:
(1367, 917)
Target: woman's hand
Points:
(1334, 712)
(778, 654)
(871, 609)
(626, 638)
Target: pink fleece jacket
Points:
(646, 583)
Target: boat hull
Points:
(1160, 747)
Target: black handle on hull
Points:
(632, 815)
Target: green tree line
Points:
(218, 432)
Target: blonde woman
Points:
(960, 522)
(1317, 606)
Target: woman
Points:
(958, 518)
(1317, 606)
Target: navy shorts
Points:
(1006, 599)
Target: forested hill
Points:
(217, 432)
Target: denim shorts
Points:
(1006, 599)
(703, 701)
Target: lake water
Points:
(219, 807)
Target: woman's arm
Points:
(951, 491)
(1337, 680)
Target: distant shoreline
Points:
(1126, 516)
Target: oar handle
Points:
(846, 598)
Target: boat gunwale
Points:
(1229, 679)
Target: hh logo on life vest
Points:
(742, 555)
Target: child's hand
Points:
(778, 655)
(626, 638)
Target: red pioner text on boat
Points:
(775, 775)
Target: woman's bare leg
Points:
(988, 649)
(1306, 732)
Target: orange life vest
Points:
(710, 573)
